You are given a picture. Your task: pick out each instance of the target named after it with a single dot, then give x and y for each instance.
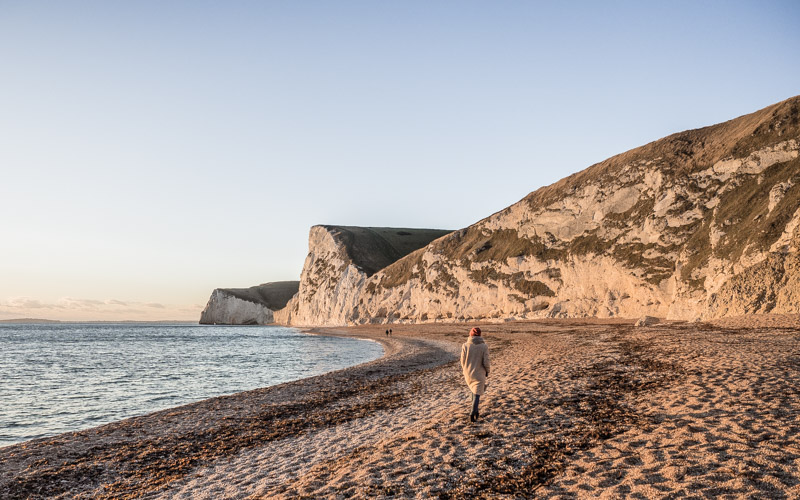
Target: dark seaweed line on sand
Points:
(128, 470)
(600, 414)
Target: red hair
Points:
(475, 332)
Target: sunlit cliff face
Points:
(701, 224)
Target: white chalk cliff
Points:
(247, 306)
(700, 224)
(340, 260)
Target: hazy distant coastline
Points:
(36, 321)
(29, 320)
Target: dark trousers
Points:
(476, 399)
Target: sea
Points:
(61, 377)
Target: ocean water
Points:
(63, 377)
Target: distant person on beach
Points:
(475, 366)
(387, 333)
(390, 332)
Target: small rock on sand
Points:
(647, 321)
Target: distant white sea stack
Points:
(247, 306)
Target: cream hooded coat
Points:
(475, 364)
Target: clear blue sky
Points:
(152, 151)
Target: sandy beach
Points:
(574, 409)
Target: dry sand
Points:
(574, 409)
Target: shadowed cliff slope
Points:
(274, 295)
(373, 248)
(248, 306)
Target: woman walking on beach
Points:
(475, 366)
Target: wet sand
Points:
(575, 408)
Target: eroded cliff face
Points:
(329, 284)
(247, 306)
(340, 260)
(700, 224)
(225, 309)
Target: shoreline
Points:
(574, 408)
(74, 405)
(108, 461)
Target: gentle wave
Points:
(65, 377)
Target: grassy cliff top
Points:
(374, 248)
(676, 157)
(273, 295)
(691, 150)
